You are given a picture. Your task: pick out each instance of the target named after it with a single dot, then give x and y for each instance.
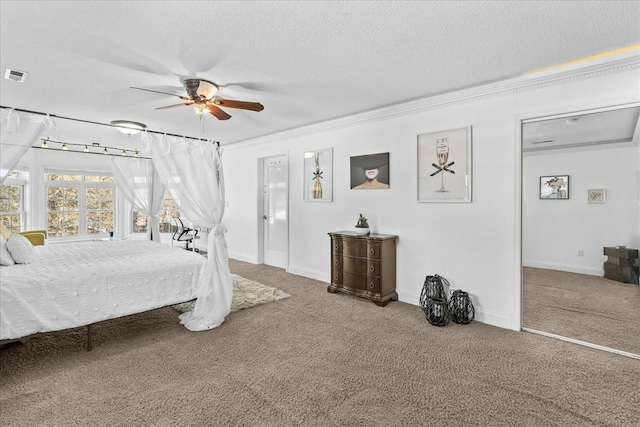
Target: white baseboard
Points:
(241, 257)
(591, 271)
(304, 272)
(482, 316)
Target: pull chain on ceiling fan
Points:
(201, 94)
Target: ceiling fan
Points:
(201, 94)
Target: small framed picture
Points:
(444, 166)
(318, 175)
(555, 187)
(370, 172)
(596, 195)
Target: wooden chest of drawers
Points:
(364, 266)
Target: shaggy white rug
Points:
(246, 293)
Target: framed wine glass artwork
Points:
(318, 175)
(444, 166)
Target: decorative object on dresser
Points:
(362, 225)
(364, 266)
(621, 264)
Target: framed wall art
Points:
(318, 175)
(596, 195)
(370, 172)
(555, 187)
(444, 166)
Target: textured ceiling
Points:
(306, 62)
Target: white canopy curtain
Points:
(19, 132)
(141, 185)
(192, 172)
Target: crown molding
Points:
(505, 87)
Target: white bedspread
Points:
(76, 284)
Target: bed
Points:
(76, 284)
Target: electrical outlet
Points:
(580, 252)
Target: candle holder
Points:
(433, 288)
(437, 312)
(433, 300)
(461, 308)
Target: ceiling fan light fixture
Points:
(128, 127)
(205, 89)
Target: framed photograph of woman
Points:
(370, 172)
(444, 166)
(318, 175)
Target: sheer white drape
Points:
(192, 172)
(19, 132)
(141, 185)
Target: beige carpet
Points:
(315, 359)
(246, 294)
(583, 307)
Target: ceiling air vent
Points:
(15, 75)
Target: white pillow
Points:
(20, 248)
(5, 256)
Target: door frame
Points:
(261, 168)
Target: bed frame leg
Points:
(89, 341)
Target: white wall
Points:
(554, 230)
(474, 245)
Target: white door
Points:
(275, 211)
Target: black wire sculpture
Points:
(439, 309)
(433, 300)
(433, 288)
(437, 312)
(461, 308)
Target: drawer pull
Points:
(337, 262)
(336, 277)
(372, 268)
(335, 247)
(371, 251)
(371, 285)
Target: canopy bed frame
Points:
(191, 170)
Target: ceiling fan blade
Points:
(175, 105)
(184, 98)
(229, 103)
(215, 111)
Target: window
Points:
(169, 210)
(12, 201)
(79, 204)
